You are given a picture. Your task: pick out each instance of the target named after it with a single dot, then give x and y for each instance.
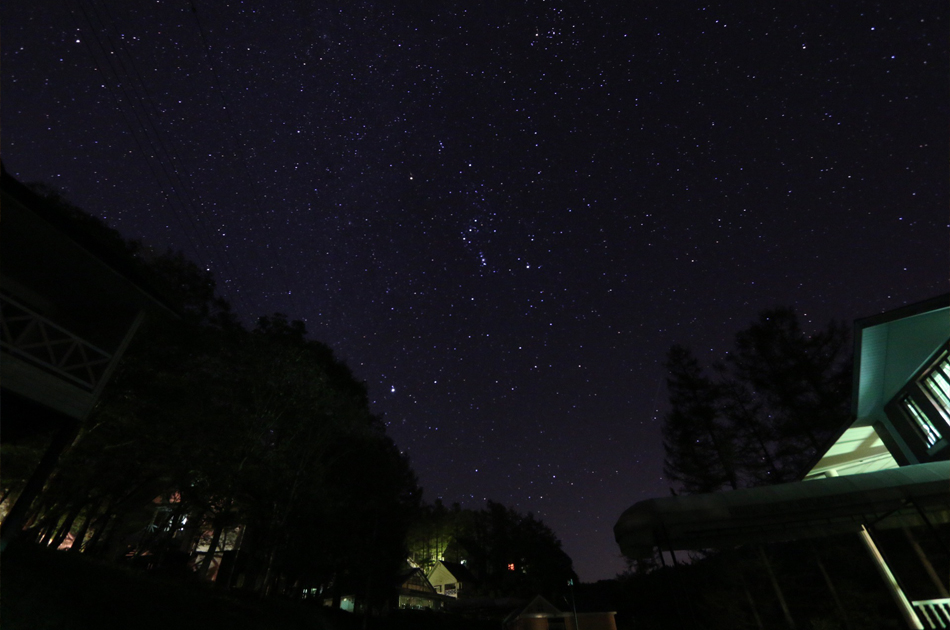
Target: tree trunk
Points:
(91, 513)
(13, 524)
(269, 573)
(6, 495)
(102, 522)
(212, 547)
(191, 533)
(67, 525)
(50, 523)
(238, 548)
(728, 469)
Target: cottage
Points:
(450, 578)
(416, 592)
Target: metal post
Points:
(778, 591)
(831, 587)
(751, 600)
(930, 526)
(573, 604)
(679, 577)
(903, 604)
(941, 589)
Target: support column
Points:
(903, 604)
(751, 600)
(831, 587)
(64, 437)
(924, 560)
(778, 591)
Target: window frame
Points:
(926, 436)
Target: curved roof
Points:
(805, 509)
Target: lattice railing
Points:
(936, 612)
(32, 337)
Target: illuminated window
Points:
(936, 385)
(924, 404)
(511, 567)
(926, 428)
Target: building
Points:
(69, 307)
(887, 469)
(416, 592)
(451, 579)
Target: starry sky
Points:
(502, 214)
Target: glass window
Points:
(924, 404)
(927, 430)
(936, 384)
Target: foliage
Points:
(262, 429)
(213, 437)
(509, 554)
(170, 276)
(765, 412)
(42, 590)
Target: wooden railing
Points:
(33, 338)
(935, 612)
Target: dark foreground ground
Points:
(45, 590)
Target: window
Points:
(924, 405)
(927, 430)
(936, 385)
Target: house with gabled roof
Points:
(451, 579)
(416, 592)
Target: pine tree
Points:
(767, 411)
(700, 452)
(799, 383)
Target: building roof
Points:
(889, 348)
(540, 607)
(414, 577)
(804, 509)
(459, 571)
(48, 252)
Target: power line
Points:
(187, 202)
(257, 198)
(180, 191)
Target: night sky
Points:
(501, 215)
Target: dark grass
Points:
(46, 590)
(42, 589)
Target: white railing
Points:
(32, 337)
(936, 612)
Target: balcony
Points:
(33, 338)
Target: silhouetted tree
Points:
(766, 411)
(510, 554)
(698, 440)
(212, 432)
